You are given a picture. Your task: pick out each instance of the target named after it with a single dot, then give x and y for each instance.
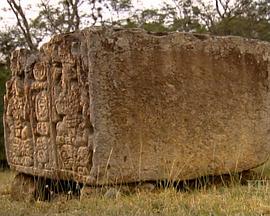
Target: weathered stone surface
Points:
(109, 106)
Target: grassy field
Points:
(228, 197)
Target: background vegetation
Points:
(247, 18)
(4, 75)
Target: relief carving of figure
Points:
(41, 107)
(19, 127)
(74, 128)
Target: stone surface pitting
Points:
(105, 106)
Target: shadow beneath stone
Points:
(206, 182)
(30, 188)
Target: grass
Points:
(214, 199)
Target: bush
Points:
(4, 75)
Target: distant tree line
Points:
(247, 18)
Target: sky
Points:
(9, 18)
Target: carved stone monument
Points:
(104, 106)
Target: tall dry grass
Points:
(225, 195)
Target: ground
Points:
(227, 198)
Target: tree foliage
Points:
(4, 75)
(248, 18)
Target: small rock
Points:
(145, 187)
(112, 193)
(124, 189)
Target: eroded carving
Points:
(41, 107)
(47, 112)
(17, 123)
(72, 130)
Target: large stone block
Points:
(110, 106)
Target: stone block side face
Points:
(47, 127)
(176, 106)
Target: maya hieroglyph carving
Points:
(109, 106)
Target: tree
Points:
(249, 18)
(59, 18)
(182, 15)
(220, 17)
(22, 22)
(10, 40)
(148, 19)
(52, 19)
(246, 18)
